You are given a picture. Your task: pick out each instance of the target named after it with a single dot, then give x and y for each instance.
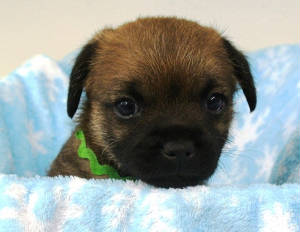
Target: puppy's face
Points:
(159, 98)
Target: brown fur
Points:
(174, 64)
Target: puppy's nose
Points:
(180, 151)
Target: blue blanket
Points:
(74, 204)
(264, 148)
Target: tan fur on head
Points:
(168, 68)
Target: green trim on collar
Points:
(96, 168)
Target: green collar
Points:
(96, 168)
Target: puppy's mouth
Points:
(160, 171)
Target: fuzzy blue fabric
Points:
(75, 204)
(264, 147)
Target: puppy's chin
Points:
(174, 181)
(170, 179)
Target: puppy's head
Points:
(159, 98)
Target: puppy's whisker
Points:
(236, 153)
(222, 168)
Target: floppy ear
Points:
(79, 73)
(242, 73)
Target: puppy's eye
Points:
(215, 102)
(126, 108)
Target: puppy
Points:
(159, 101)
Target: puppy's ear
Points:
(242, 73)
(79, 73)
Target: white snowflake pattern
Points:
(23, 212)
(249, 132)
(275, 66)
(157, 215)
(119, 207)
(277, 78)
(42, 64)
(277, 220)
(266, 162)
(34, 138)
(9, 84)
(65, 209)
(289, 125)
